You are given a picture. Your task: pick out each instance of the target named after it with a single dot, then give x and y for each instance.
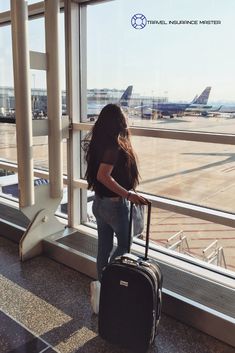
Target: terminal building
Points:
(51, 52)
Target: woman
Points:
(113, 174)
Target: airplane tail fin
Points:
(125, 98)
(203, 98)
(194, 99)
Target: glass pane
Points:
(63, 207)
(177, 84)
(8, 183)
(8, 150)
(198, 239)
(4, 5)
(199, 173)
(194, 172)
(38, 77)
(40, 152)
(30, 2)
(7, 102)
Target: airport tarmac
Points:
(195, 172)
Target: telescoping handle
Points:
(149, 205)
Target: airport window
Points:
(194, 238)
(199, 239)
(185, 156)
(150, 81)
(175, 86)
(196, 172)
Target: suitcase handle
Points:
(149, 205)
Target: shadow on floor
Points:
(53, 302)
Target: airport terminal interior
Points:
(61, 62)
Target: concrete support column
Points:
(23, 112)
(52, 11)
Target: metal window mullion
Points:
(185, 135)
(52, 11)
(195, 211)
(196, 136)
(12, 167)
(68, 65)
(73, 87)
(23, 109)
(83, 97)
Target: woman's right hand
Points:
(136, 198)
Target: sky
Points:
(179, 60)
(173, 60)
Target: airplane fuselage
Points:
(170, 108)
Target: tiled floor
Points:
(15, 338)
(44, 307)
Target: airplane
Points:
(94, 107)
(171, 109)
(209, 110)
(221, 110)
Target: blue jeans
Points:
(112, 216)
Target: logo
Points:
(138, 21)
(123, 283)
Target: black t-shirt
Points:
(121, 173)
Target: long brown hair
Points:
(110, 130)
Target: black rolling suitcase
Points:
(130, 299)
